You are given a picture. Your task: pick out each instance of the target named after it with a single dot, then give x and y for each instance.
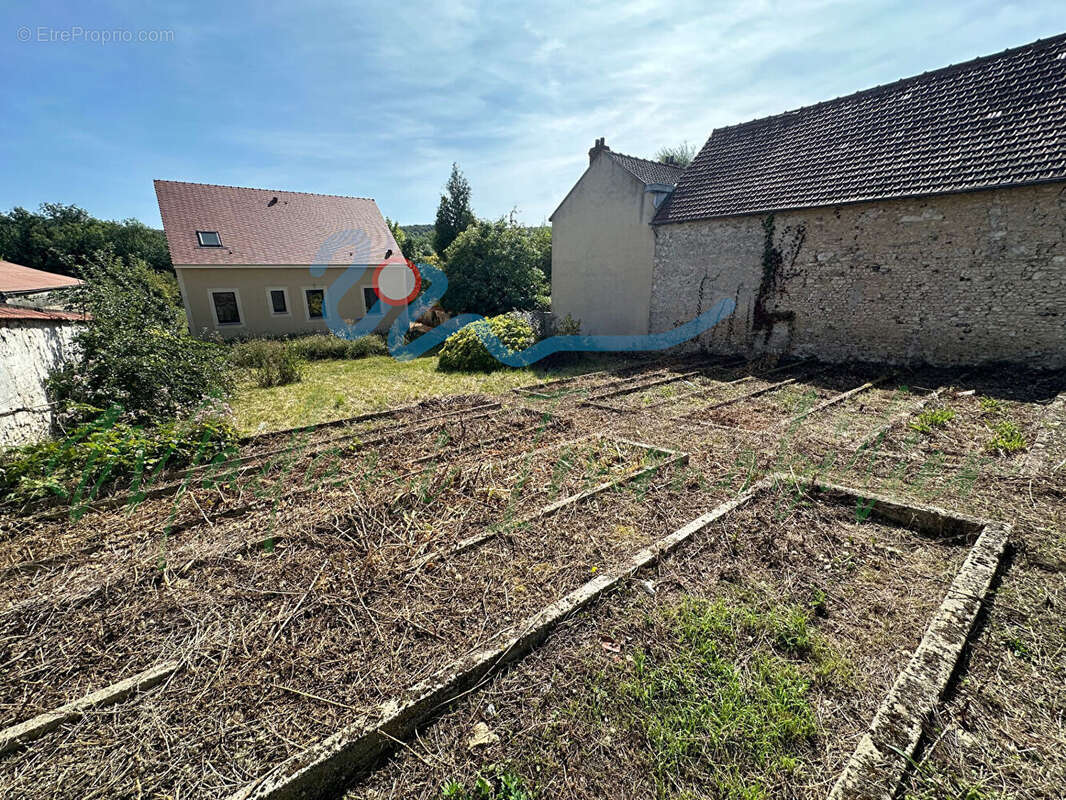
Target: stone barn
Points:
(920, 221)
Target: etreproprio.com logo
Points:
(401, 283)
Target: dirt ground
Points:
(324, 572)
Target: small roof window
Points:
(209, 238)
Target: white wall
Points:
(29, 350)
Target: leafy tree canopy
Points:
(494, 267)
(60, 238)
(679, 155)
(453, 214)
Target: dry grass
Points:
(295, 604)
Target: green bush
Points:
(325, 346)
(135, 351)
(108, 452)
(275, 362)
(463, 350)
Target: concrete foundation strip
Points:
(323, 769)
(673, 457)
(1054, 417)
(898, 419)
(746, 396)
(885, 753)
(595, 402)
(832, 401)
(880, 762)
(24, 732)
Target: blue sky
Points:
(379, 99)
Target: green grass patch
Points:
(934, 418)
(333, 389)
(720, 702)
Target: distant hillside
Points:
(418, 230)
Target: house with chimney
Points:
(923, 221)
(603, 243)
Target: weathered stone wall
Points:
(958, 279)
(29, 350)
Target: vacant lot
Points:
(323, 579)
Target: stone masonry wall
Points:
(29, 351)
(956, 279)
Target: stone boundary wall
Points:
(29, 351)
(956, 279)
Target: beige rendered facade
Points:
(603, 247)
(260, 293)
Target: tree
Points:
(135, 350)
(60, 238)
(679, 155)
(453, 214)
(492, 268)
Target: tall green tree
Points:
(453, 214)
(494, 267)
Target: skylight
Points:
(209, 238)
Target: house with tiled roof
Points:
(263, 262)
(920, 221)
(603, 242)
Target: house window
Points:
(316, 303)
(209, 238)
(278, 302)
(226, 306)
(370, 297)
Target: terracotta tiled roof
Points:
(15, 312)
(995, 121)
(648, 171)
(254, 230)
(16, 278)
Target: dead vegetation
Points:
(322, 575)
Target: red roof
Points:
(16, 278)
(268, 227)
(15, 312)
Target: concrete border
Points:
(322, 769)
(886, 751)
(19, 735)
(673, 457)
(1053, 418)
(691, 416)
(832, 401)
(885, 754)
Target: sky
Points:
(378, 99)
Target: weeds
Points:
(499, 785)
(722, 703)
(934, 418)
(1006, 438)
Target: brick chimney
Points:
(597, 148)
